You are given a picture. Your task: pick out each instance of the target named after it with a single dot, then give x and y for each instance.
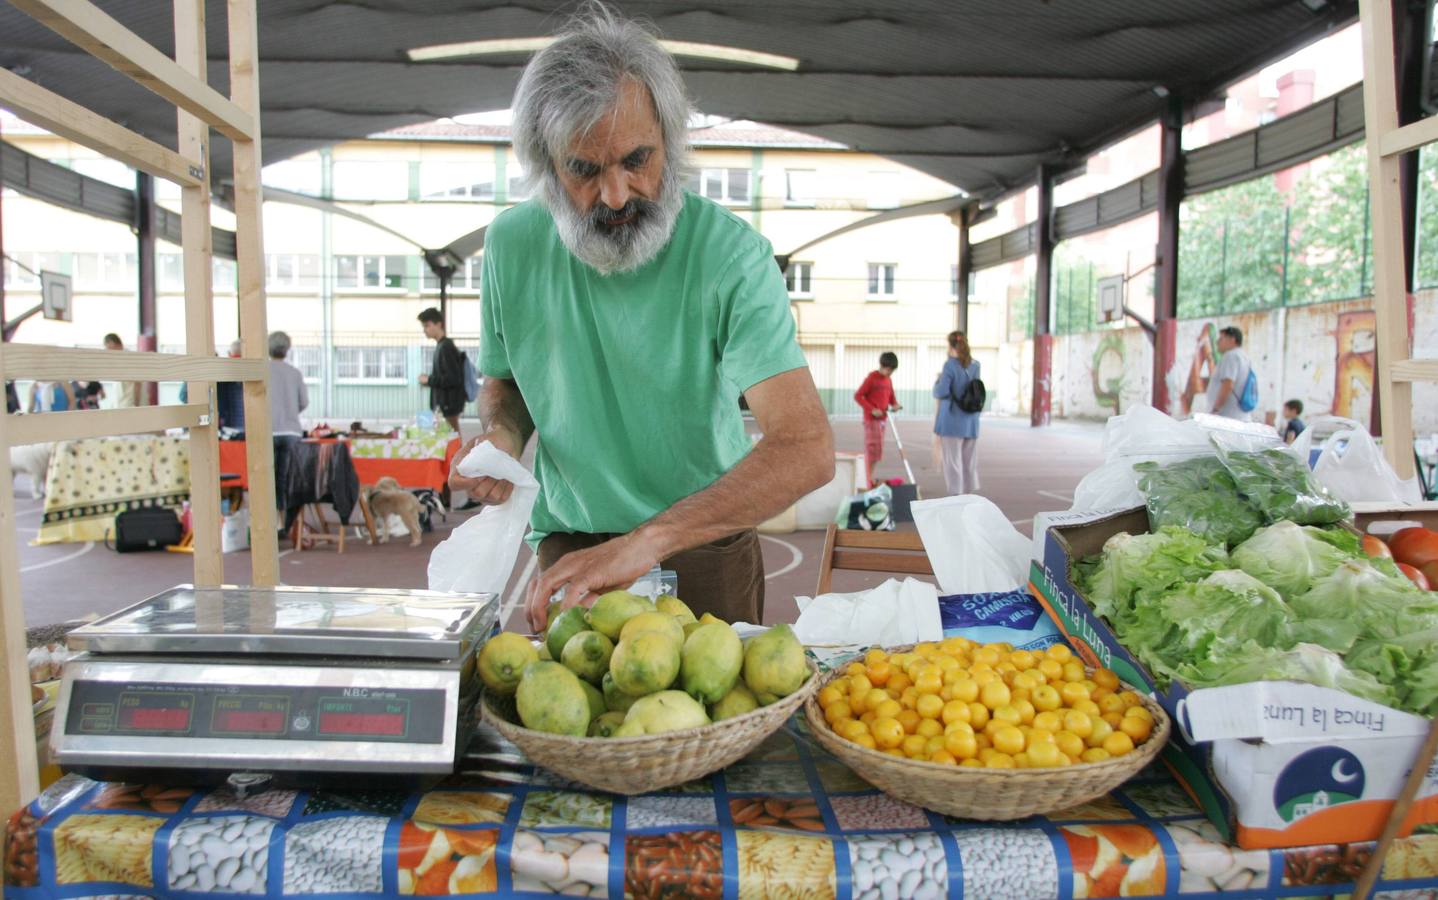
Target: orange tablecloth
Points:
(410, 473)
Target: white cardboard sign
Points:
(1281, 711)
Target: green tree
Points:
(1230, 255)
(1329, 231)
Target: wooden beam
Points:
(196, 240)
(64, 363)
(19, 767)
(250, 272)
(1409, 138)
(94, 423)
(1390, 302)
(1415, 370)
(52, 112)
(90, 28)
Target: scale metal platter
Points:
(298, 680)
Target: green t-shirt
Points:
(633, 379)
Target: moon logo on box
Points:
(1316, 780)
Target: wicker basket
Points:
(637, 765)
(995, 794)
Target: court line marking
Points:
(798, 557)
(1065, 496)
(89, 545)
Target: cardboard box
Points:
(1272, 764)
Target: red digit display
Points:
(387, 724)
(244, 721)
(154, 718)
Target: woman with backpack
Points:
(961, 399)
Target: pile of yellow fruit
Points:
(991, 706)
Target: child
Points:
(876, 397)
(1292, 426)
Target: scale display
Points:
(265, 713)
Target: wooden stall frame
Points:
(183, 82)
(1387, 141)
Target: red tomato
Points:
(1376, 548)
(1430, 571)
(1414, 576)
(1415, 546)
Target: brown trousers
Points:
(725, 578)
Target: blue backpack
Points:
(1248, 400)
(471, 379)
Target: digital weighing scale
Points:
(294, 683)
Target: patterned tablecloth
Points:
(788, 821)
(90, 481)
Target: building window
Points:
(170, 272)
(455, 181)
(517, 191)
(309, 360)
(369, 364)
(465, 279)
(881, 279)
(371, 180)
(801, 187)
(953, 281)
(222, 276)
(106, 272)
(18, 278)
(302, 176)
(883, 190)
(725, 185)
(800, 279)
(379, 272)
(292, 271)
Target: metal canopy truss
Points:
(1296, 138)
(978, 94)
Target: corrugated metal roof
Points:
(976, 94)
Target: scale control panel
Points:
(277, 712)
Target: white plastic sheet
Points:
(1351, 465)
(971, 544)
(891, 614)
(479, 555)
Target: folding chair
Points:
(871, 551)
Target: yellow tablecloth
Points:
(91, 480)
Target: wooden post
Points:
(250, 266)
(20, 779)
(194, 146)
(1380, 113)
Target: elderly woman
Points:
(958, 430)
(644, 458)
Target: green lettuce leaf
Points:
(1251, 661)
(1147, 565)
(1280, 485)
(1289, 557)
(1199, 495)
(1381, 605)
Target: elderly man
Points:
(622, 319)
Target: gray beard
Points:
(624, 248)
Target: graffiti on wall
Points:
(1354, 364)
(1107, 370)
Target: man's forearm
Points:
(778, 471)
(502, 408)
(1224, 390)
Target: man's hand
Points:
(424, 379)
(895, 408)
(876, 413)
(483, 489)
(585, 574)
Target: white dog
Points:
(34, 461)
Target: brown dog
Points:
(387, 498)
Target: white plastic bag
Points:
(1352, 466)
(1143, 434)
(235, 532)
(889, 615)
(971, 544)
(479, 555)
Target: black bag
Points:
(973, 397)
(146, 528)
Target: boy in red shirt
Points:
(876, 396)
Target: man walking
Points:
(1229, 375)
(446, 379)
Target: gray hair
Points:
(569, 86)
(279, 345)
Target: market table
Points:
(90, 481)
(413, 462)
(787, 821)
